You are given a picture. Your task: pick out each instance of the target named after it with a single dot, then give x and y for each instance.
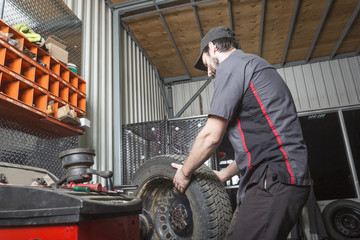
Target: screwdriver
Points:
(82, 189)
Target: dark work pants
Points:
(268, 211)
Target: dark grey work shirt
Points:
(264, 128)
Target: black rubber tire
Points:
(342, 219)
(205, 206)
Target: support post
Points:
(117, 105)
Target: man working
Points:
(253, 104)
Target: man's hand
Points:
(181, 182)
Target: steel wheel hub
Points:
(347, 221)
(178, 217)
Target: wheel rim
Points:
(170, 211)
(347, 221)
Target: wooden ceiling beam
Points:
(158, 10)
(197, 19)
(133, 5)
(263, 5)
(230, 15)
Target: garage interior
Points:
(144, 98)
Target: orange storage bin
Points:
(9, 85)
(2, 55)
(41, 78)
(74, 80)
(81, 102)
(26, 94)
(64, 92)
(73, 98)
(53, 86)
(28, 70)
(54, 66)
(40, 100)
(13, 62)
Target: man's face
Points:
(211, 62)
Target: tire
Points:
(203, 212)
(342, 219)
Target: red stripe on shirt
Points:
(274, 131)
(243, 140)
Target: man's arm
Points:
(205, 144)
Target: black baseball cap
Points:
(213, 34)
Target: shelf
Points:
(14, 109)
(30, 79)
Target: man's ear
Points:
(212, 48)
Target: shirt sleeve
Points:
(228, 90)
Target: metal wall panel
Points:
(315, 86)
(182, 94)
(141, 98)
(97, 72)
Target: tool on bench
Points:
(77, 162)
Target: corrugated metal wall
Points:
(182, 94)
(314, 86)
(140, 97)
(142, 100)
(322, 85)
(96, 63)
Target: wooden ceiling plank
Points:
(290, 32)
(352, 39)
(277, 22)
(319, 28)
(213, 15)
(307, 22)
(174, 43)
(336, 21)
(346, 29)
(152, 36)
(247, 24)
(322, 28)
(210, 15)
(183, 26)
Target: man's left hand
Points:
(181, 182)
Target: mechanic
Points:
(253, 104)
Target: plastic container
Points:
(72, 67)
